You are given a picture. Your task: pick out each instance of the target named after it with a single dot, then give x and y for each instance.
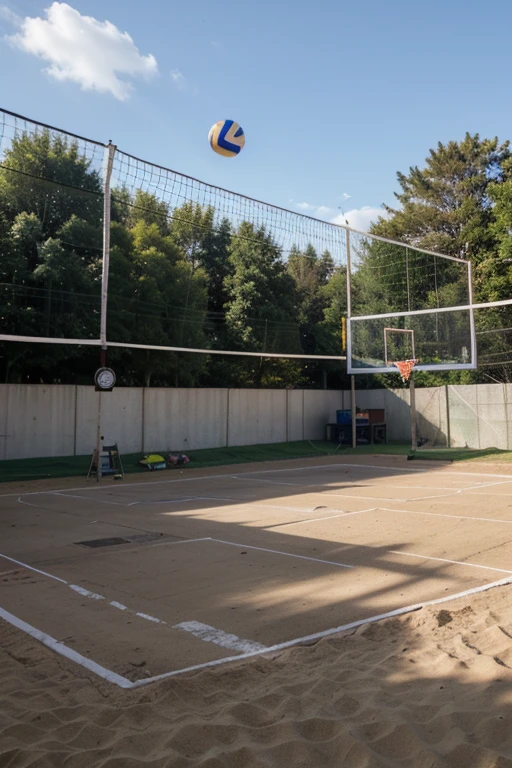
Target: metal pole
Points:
(349, 308)
(287, 415)
(472, 317)
(227, 417)
(98, 440)
(407, 277)
(353, 409)
(448, 428)
(110, 151)
(143, 420)
(412, 397)
(349, 347)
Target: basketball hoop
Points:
(405, 368)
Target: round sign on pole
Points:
(104, 379)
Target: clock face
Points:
(105, 378)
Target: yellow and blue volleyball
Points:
(226, 138)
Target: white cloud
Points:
(178, 79)
(95, 54)
(345, 196)
(318, 211)
(305, 206)
(360, 218)
(9, 16)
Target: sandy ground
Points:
(432, 688)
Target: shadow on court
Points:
(156, 577)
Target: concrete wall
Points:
(40, 420)
(473, 416)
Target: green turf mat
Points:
(75, 466)
(461, 454)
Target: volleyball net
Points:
(100, 249)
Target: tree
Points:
(51, 207)
(191, 224)
(261, 312)
(48, 176)
(155, 297)
(446, 205)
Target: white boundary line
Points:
(278, 552)
(202, 631)
(327, 517)
(72, 496)
(377, 467)
(451, 562)
(63, 650)
(177, 501)
(329, 632)
(36, 570)
(85, 592)
(212, 635)
(443, 514)
(122, 682)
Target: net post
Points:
(348, 327)
(448, 427)
(353, 409)
(110, 150)
(471, 316)
(412, 401)
(349, 346)
(98, 440)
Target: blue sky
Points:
(334, 97)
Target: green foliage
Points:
(459, 203)
(185, 278)
(446, 205)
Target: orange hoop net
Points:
(405, 368)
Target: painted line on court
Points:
(27, 503)
(63, 650)
(175, 543)
(227, 475)
(275, 507)
(378, 497)
(276, 482)
(328, 517)
(218, 637)
(36, 570)
(451, 562)
(444, 514)
(74, 496)
(179, 501)
(204, 632)
(122, 682)
(329, 632)
(85, 592)
(458, 491)
(286, 554)
(150, 618)
(120, 606)
(450, 492)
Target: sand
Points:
(430, 689)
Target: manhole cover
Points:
(96, 543)
(113, 541)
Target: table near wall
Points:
(371, 428)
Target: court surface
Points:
(171, 571)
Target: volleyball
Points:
(226, 138)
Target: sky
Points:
(334, 97)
